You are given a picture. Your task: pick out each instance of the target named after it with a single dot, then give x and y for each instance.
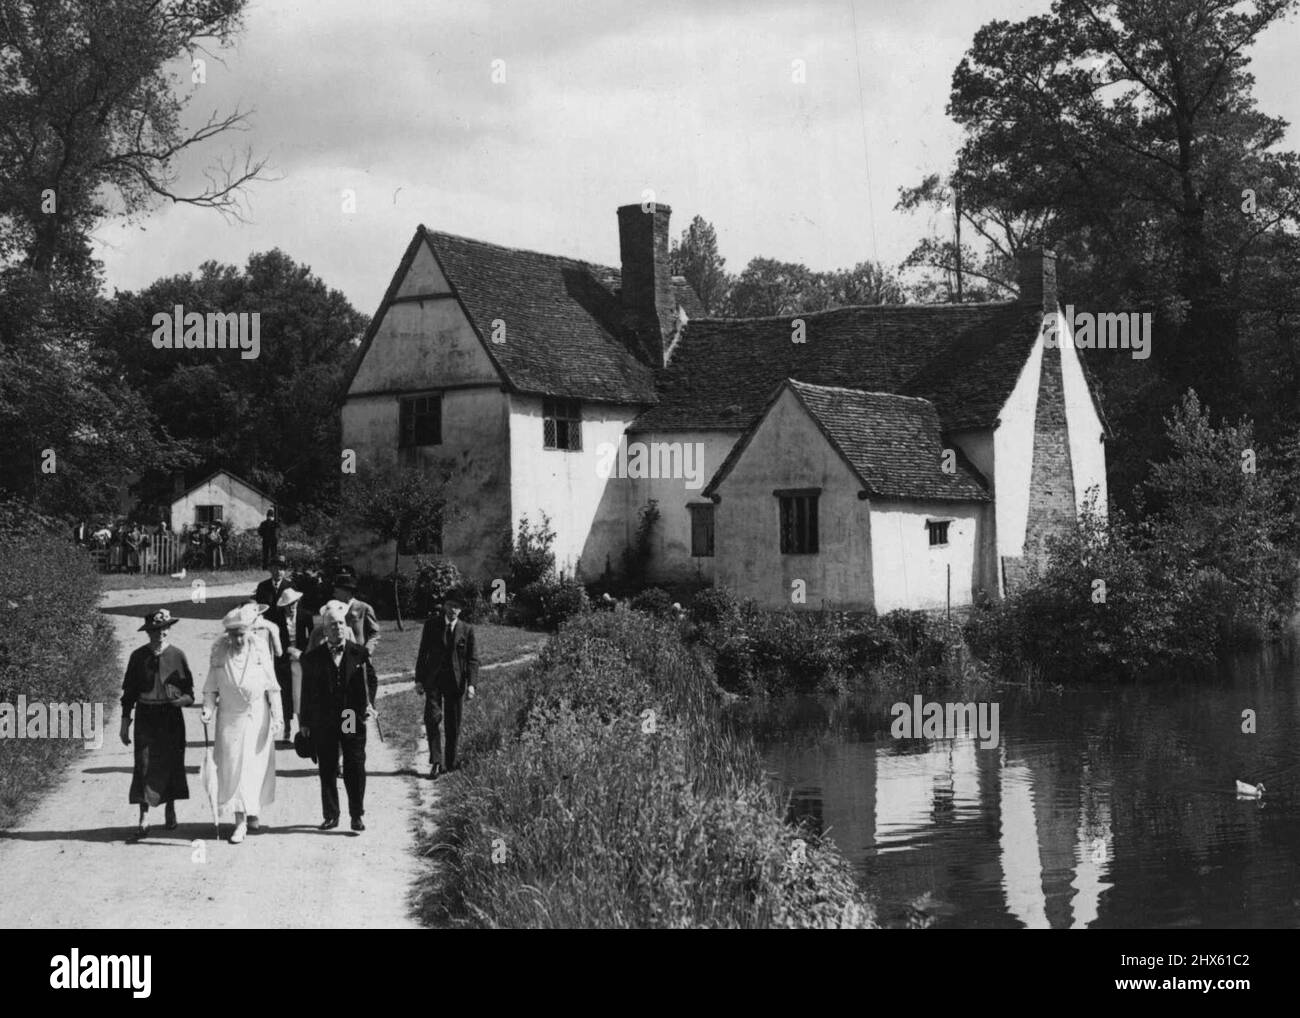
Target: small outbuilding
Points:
(221, 497)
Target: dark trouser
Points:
(440, 707)
(354, 770)
(284, 676)
(268, 552)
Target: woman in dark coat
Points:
(158, 684)
(132, 543)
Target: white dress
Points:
(244, 748)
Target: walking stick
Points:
(209, 780)
(371, 704)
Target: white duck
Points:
(1246, 791)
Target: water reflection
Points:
(1101, 807)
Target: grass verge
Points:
(606, 786)
(397, 649)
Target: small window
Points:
(421, 421)
(798, 523)
(208, 513)
(561, 424)
(701, 530)
(938, 532)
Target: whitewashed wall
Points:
(568, 486)
(907, 572)
(242, 506)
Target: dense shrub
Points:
(1221, 507)
(653, 601)
(476, 605)
(19, 519)
(616, 817)
(434, 579)
(56, 648)
(714, 606)
(528, 553)
(758, 651)
(549, 602)
(1112, 603)
(243, 548)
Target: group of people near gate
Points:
(275, 661)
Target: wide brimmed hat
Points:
(243, 617)
(287, 597)
(280, 560)
(345, 580)
(155, 620)
(333, 610)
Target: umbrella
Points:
(378, 727)
(209, 779)
(371, 704)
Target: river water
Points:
(1100, 807)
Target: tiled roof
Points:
(893, 443)
(562, 320)
(965, 358)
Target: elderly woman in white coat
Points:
(244, 695)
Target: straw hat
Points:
(331, 610)
(240, 618)
(288, 597)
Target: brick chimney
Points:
(1037, 278)
(649, 301)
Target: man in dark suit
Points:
(445, 671)
(338, 692)
(268, 591)
(269, 529)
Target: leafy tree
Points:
(1125, 134)
(93, 121)
(528, 553)
(73, 427)
(951, 270)
(768, 287)
(696, 257)
(1216, 498)
(865, 283)
(273, 419)
(404, 505)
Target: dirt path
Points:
(68, 864)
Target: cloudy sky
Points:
(691, 99)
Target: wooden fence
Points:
(165, 555)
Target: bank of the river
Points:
(605, 786)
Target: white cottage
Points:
(221, 497)
(585, 392)
(869, 512)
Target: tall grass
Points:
(608, 788)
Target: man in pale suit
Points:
(361, 620)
